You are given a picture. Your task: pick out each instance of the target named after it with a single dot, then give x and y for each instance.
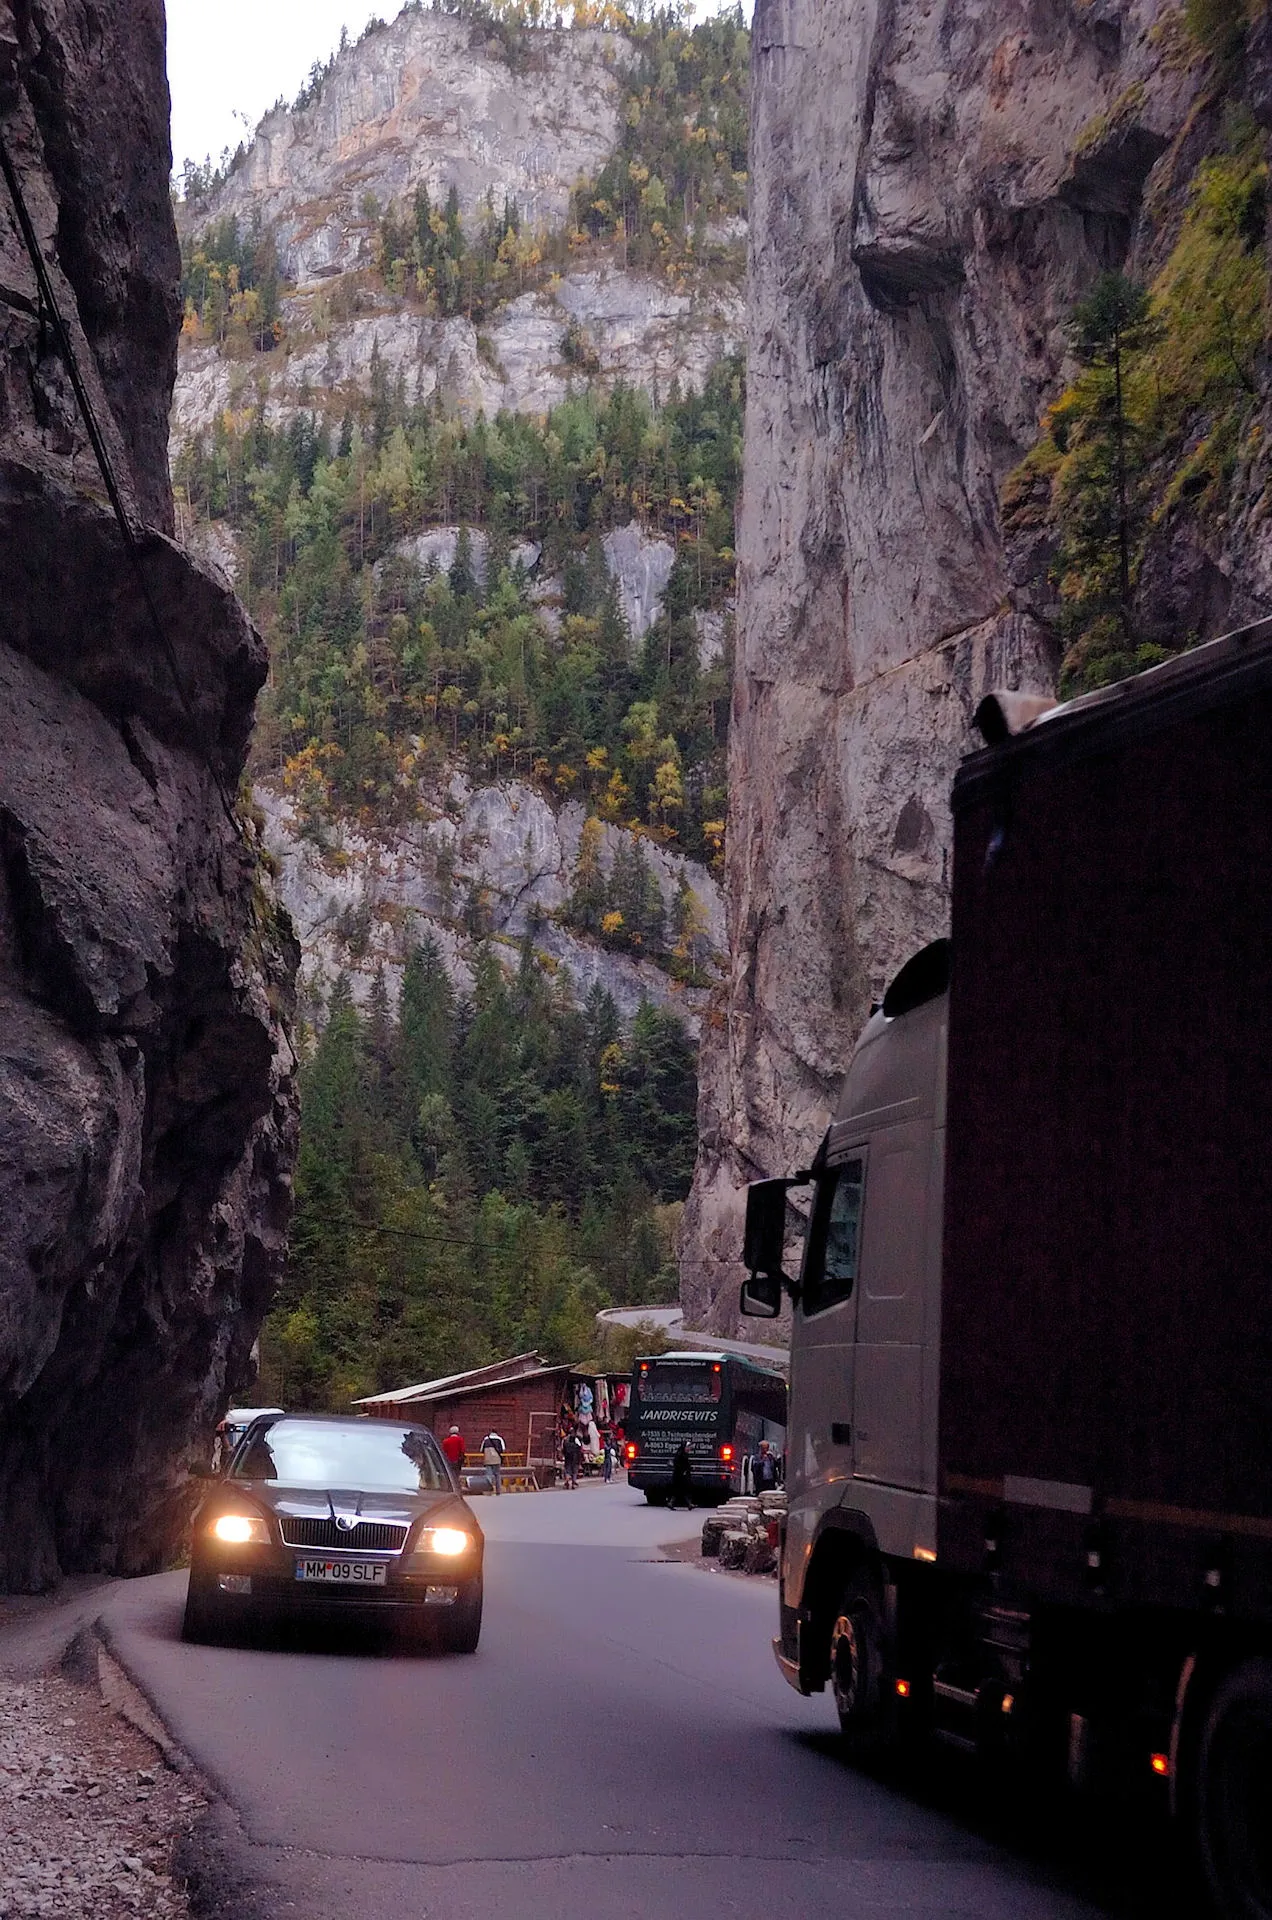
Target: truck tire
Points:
(856, 1662)
(1232, 1793)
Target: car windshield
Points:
(372, 1456)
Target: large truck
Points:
(1030, 1446)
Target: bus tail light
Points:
(726, 1454)
(631, 1450)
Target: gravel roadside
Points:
(90, 1816)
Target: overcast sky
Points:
(229, 62)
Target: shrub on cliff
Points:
(1149, 437)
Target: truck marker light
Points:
(903, 1689)
(924, 1553)
(1008, 1702)
(1160, 1763)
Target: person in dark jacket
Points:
(764, 1469)
(682, 1477)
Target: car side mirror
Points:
(761, 1297)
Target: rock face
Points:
(932, 188)
(639, 330)
(642, 567)
(495, 861)
(145, 1107)
(436, 101)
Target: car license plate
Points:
(343, 1573)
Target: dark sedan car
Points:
(342, 1518)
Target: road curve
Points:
(671, 1322)
(621, 1748)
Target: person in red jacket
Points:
(453, 1448)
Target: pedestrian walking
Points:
(453, 1448)
(682, 1477)
(492, 1452)
(609, 1459)
(764, 1469)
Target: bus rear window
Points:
(678, 1381)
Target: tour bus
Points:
(721, 1405)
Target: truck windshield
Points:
(678, 1381)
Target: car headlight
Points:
(450, 1542)
(241, 1530)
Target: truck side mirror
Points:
(765, 1242)
(762, 1296)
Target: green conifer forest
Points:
(476, 1178)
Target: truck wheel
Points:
(1233, 1791)
(856, 1662)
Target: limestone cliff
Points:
(933, 187)
(480, 863)
(363, 342)
(145, 1105)
(430, 100)
(498, 116)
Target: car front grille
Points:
(368, 1536)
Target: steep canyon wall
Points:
(933, 187)
(145, 1094)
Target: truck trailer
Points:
(1030, 1446)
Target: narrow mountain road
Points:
(621, 1747)
(671, 1321)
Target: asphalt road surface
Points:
(621, 1747)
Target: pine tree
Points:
(690, 923)
(1102, 508)
(426, 1029)
(462, 576)
(587, 898)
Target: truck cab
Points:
(865, 1340)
